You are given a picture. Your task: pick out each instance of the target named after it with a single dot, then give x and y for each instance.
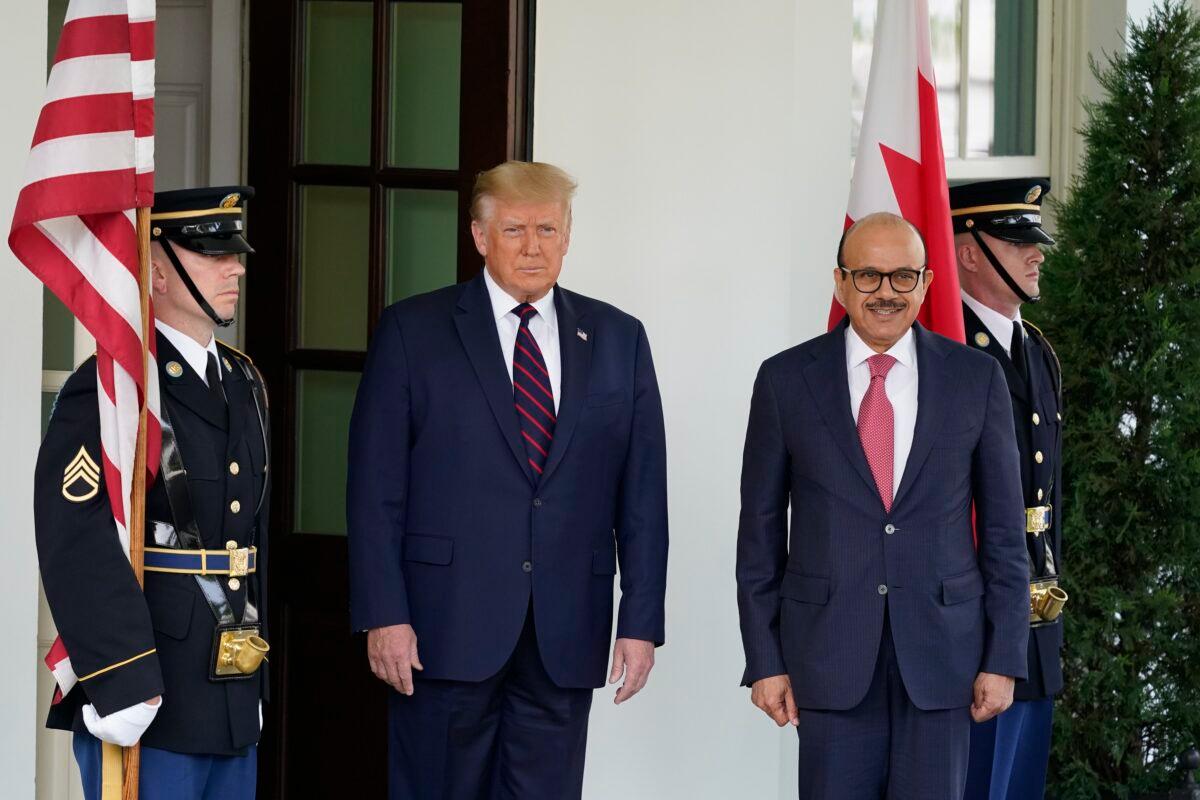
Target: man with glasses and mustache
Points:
(997, 242)
(874, 623)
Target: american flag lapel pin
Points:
(581, 333)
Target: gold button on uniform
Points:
(1059, 415)
(1041, 494)
(231, 544)
(1038, 457)
(235, 506)
(1036, 421)
(234, 468)
(234, 584)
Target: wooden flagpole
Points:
(137, 512)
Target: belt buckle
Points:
(239, 560)
(1037, 519)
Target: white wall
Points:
(22, 62)
(711, 143)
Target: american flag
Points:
(90, 166)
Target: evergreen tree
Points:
(1122, 308)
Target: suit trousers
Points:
(166, 775)
(514, 736)
(884, 747)
(1009, 754)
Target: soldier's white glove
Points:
(122, 727)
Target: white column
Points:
(23, 63)
(711, 142)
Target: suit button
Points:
(234, 468)
(527, 566)
(889, 528)
(235, 506)
(234, 584)
(537, 503)
(1038, 457)
(882, 589)
(1036, 419)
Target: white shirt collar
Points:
(858, 351)
(1000, 326)
(192, 351)
(503, 303)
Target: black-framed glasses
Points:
(869, 280)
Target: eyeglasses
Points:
(868, 280)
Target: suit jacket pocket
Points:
(605, 399)
(604, 561)
(171, 606)
(805, 588)
(961, 588)
(428, 549)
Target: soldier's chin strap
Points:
(1002, 272)
(191, 286)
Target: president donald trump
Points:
(506, 454)
(875, 625)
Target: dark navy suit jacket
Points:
(451, 532)
(812, 605)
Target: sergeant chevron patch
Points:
(81, 478)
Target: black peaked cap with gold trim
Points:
(206, 220)
(1008, 209)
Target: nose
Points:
(234, 267)
(530, 245)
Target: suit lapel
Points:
(477, 329)
(576, 356)
(830, 387)
(237, 394)
(934, 387)
(186, 387)
(975, 326)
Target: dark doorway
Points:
(368, 121)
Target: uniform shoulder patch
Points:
(81, 478)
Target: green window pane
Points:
(422, 241)
(58, 334)
(1003, 65)
(334, 243)
(336, 104)
(324, 401)
(426, 48)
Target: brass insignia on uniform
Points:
(174, 369)
(230, 200)
(81, 469)
(970, 223)
(228, 366)
(157, 231)
(982, 339)
(1033, 194)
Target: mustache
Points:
(886, 304)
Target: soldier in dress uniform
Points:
(997, 239)
(178, 667)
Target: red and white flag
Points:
(90, 166)
(899, 166)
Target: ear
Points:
(966, 257)
(480, 237)
(840, 280)
(158, 270)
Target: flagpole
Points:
(137, 511)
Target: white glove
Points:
(122, 727)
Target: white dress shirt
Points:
(543, 326)
(195, 354)
(900, 387)
(1000, 326)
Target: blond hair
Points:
(521, 182)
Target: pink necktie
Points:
(877, 428)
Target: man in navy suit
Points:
(507, 451)
(879, 622)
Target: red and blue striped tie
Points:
(532, 392)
